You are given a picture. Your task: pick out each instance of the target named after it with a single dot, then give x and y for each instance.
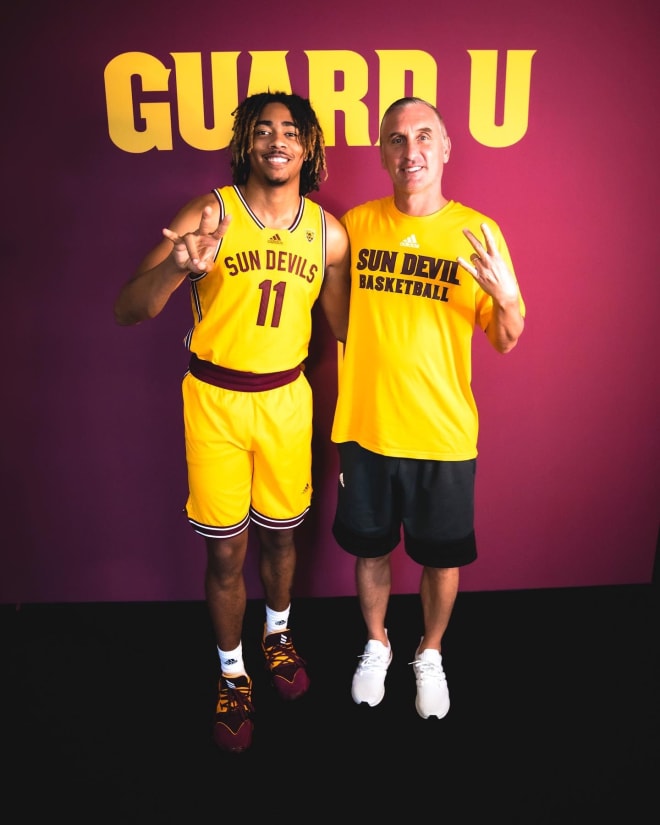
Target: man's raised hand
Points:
(488, 268)
(196, 251)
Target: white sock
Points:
(231, 661)
(277, 620)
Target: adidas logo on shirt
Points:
(411, 240)
(275, 239)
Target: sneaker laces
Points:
(371, 660)
(283, 653)
(428, 670)
(235, 699)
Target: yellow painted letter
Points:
(483, 93)
(190, 98)
(269, 72)
(121, 108)
(394, 64)
(327, 100)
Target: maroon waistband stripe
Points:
(240, 381)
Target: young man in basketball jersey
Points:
(256, 256)
(406, 420)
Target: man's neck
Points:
(275, 206)
(419, 204)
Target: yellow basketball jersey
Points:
(404, 386)
(252, 311)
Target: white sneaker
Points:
(369, 677)
(432, 691)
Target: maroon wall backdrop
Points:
(92, 450)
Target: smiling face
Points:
(414, 147)
(276, 156)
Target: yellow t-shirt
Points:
(405, 378)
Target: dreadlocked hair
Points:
(246, 115)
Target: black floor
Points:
(554, 716)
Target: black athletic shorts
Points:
(432, 500)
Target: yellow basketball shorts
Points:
(249, 456)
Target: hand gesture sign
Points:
(196, 251)
(488, 268)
